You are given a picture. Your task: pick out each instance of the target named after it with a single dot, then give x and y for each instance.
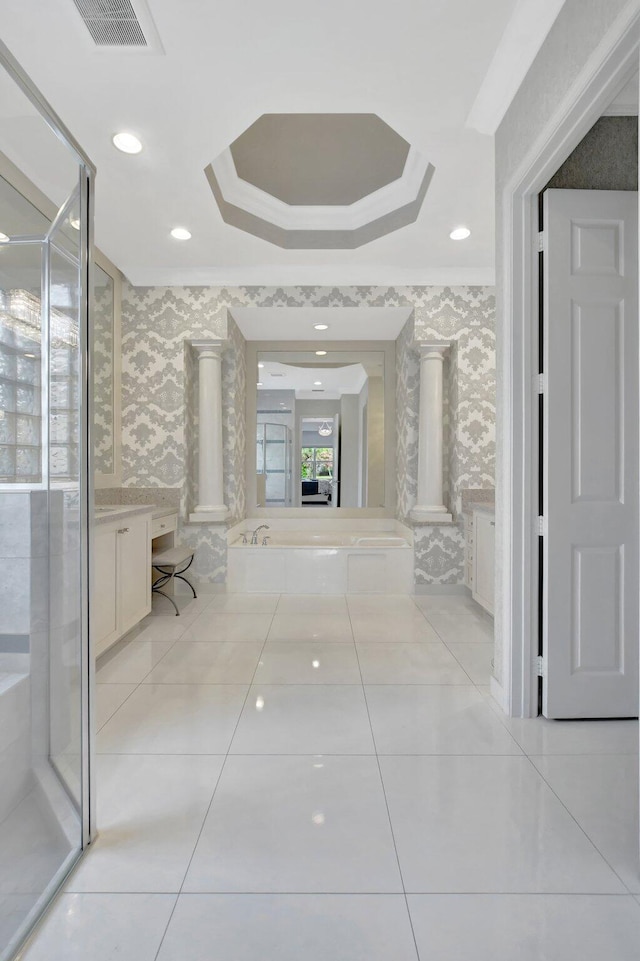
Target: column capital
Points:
(432, 349)
(208, 348)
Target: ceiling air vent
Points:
(119, 23)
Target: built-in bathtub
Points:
(321, 562)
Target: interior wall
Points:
(575, 35)
(159, 391)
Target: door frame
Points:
(610, 66)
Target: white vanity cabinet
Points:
(483, 552)
(121, 594)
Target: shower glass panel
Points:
(45, 197)
(274, 461)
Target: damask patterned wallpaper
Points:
(159, 387)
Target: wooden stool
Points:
(169, 563)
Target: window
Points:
(317, 463)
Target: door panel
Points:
(590, 475)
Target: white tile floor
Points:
(310, 778)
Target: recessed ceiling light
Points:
(321, 326)
(320, 353)
(260, 365)
(181, 233)
(460, 233)
(127, 142)
(317, 383)
(3, 238)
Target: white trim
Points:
(621, 110)
(320, 275)
(615, 58)
(379, 203)
(523, 37)
(499, 694)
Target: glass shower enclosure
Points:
(46, 199)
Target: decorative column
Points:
(211, 505)
(429, 505)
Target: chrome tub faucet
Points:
(254, 536)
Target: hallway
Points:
(290, 777)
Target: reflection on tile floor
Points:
(301, 777)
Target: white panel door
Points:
(590, 475)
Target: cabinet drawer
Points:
(164, 525)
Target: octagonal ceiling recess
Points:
(319, 181)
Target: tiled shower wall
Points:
(159, 412)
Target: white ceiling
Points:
(417, 64)
(334, 381)
(344, 323)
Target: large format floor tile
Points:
(109, 697)
(132, 663)
(462, 628)
(312, 604)
(294, 927)
(389, 604)
(312, 627)
(537, 735)
(208, 662)
(34, 848)
(309, 825)
(174, 719)
(393, 628)
(476, 659)
(308, 662)
(601, 792)
(306, 719)
(435, 720)
(226, 626)
(397, 663)
(165, 627)
(446, 604)
(102, 927)
(244, 603)
(486, 927)
(487, 824)
(150, 812)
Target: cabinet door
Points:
(103, 595)
(484, 548)
(134, 566)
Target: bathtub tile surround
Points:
(159, 385)
(262, 831)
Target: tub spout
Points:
(254, 536)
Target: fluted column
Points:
(429, 505)
(211, 505)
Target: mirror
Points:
(320, 429)
(106, 371)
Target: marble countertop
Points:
(105, 513)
